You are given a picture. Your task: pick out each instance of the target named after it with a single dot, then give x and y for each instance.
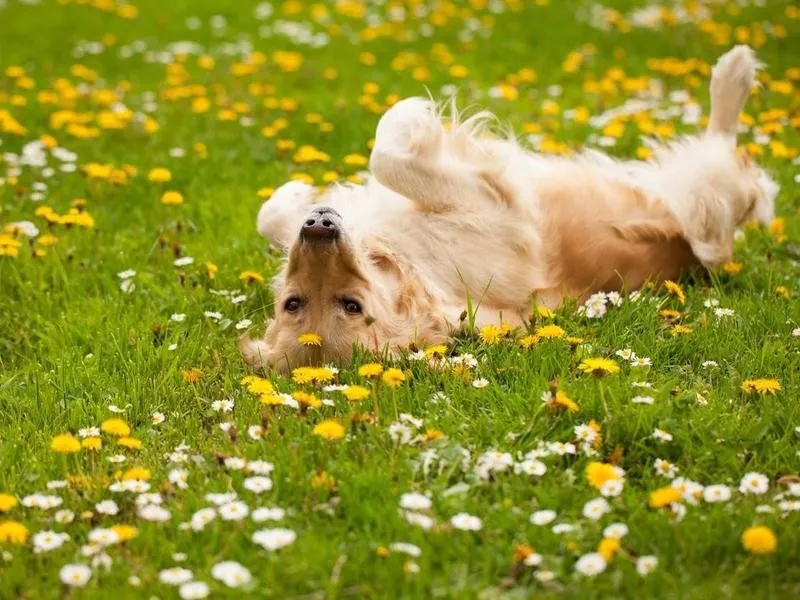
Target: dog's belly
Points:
(488, 256)
(603, 234)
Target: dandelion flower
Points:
(251, 277)
(599, 366)
(664, 497)
(116, 427)
(13, 532)
(393, 377)
(550, 332)
(355, 393)
(159, 175)
(761, 386)
(598, 474)
(310, 339)
(759, 540)
(171, 198)
(329, 429)
(673, 289)
(7, 502)
(65, 444)
(370, 370)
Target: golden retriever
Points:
(452, 218)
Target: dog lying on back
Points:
(452, 217)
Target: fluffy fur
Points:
(453, 217)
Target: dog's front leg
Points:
(412, 157)
(281, 216)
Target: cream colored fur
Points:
(453, 216)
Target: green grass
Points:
(72, 343)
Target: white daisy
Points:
(543, 517)
(590, 564)
(75, 575)
(274, 539)
(231, 573)
(466, 522)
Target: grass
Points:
(72, 343)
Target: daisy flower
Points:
(754, 483)
(466, 522)
(590, 564)
(274, 539)
(75, 575)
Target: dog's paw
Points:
(290, 202)
(410, 126)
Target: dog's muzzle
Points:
(323, 225)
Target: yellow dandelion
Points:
(211, 270)
(393, 377)
(677, 330)
(7, 502)
(490, 334)
(370, 370)
(561, 399)
(528, 341)
(13, 532)
(125, 532)
(550, 332)
(355, 393)
(732, 268)
(598, 473)
(136, 474)
(759, 540)
(673, 289)
(131, 443)
(608, 547)
(323, 481)
(599, 366)
(251, 277)
(171, 198)
(271, 399)
(310, 339)
(664, 497)
(159, 175)
(307, 400)
(329, 429)
(437, 351)
(192, 375)
(66, 443)
(783, 292)
(431, 435)
(761, 386)
(256, 384)
(92, 443)
(116, 427)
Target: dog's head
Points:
(334, 294)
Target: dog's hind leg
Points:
(413, 156)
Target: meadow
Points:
(641, 445)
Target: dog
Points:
(453, 220)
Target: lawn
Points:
(142, 458)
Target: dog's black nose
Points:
(323, 224)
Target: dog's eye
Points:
(292, 304)
(351, 306)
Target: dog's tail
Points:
(732, 78)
